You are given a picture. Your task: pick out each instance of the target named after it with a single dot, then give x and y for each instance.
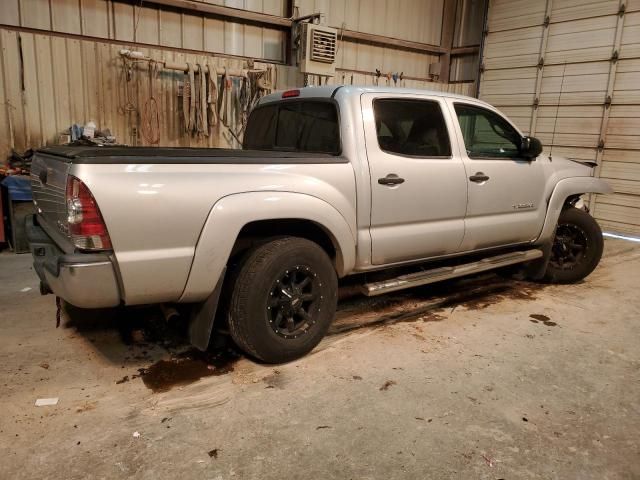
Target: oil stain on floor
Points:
(188, 367)
(537, 317)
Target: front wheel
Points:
(577, 247)
(284, 299)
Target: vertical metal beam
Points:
(449, 10)
(540, 72)
(606, 108)
(483, 41)
(288, 38)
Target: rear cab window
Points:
(411, 127)
(303, 125)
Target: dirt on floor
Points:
(484, 378)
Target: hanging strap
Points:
(224, 103)
(203, 102)
(186, 101)
(192, 99)
(212, 96)
(197, 126)
(236, 106)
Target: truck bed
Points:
(169, 155)
(157, 202)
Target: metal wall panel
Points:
(272, 7)
(65, 16)
(415, 20)
(105, 19)
(568, 71)
(290, 77)
(366, 57)
(512, 48)
(10, 12)
(514, 14)
(35, 14)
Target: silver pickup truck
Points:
(396, 188)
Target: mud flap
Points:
(535, 270)
(202, 317)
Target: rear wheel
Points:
(577, 247)
(284, 299)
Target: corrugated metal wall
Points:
(415, 20)
(65, 81)
(151, 25)
(568, 72)
(288, 77)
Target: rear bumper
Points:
(86, 280)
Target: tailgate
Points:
(48, 184)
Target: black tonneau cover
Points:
(141, 155)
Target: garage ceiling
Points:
(568, 72)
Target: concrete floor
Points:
(457, 381)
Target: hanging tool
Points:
(212, 96)
(225, 103)
(195, 95)
(189, 100)
(150, 115)
(192, 98)
(244, 97)
(236, 108)
(186, 93)
(203, 124)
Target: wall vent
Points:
(319, 46)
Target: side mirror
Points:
(530, 147)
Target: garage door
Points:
(568, 72)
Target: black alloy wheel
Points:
(293, 302)
(577, 247)
(570, 246)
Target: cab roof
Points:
(328, 91)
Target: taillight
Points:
(86, 226)
(291, 93)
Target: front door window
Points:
(486, 134)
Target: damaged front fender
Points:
(564, 189)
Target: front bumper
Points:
(86, 280)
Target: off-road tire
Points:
(578, 238)
(257, 285)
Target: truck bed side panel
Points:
(155, 212)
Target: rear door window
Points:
(411, 127)
(299, 126)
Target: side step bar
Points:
(444, 273)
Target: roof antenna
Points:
(555, 120)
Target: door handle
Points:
(479, 177)
(391, 179)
